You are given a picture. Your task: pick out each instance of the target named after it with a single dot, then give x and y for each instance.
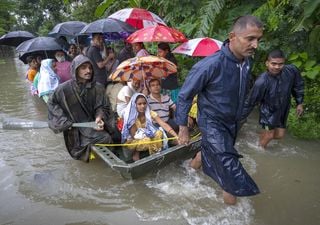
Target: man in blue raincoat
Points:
(273, 90)
(221, 83)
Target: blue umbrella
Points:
(15, 38)
(109, 27)
(68, 29)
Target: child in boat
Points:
(138, 127)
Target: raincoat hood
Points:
(78, 61)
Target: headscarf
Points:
(48, 80)
(131, 115)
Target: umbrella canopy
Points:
(39, 44)
(109, 26)
(157, 33)
(143, 68)
(199, 47)
(69, 29)
(138, 18)
(43, 54)
(43, 46)
(15, 38)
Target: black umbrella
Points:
(15, 38)
(43, 54)
(69, 29)
(39, 44)
(43, 46)
(108, 26)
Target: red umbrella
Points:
(138, 18)
(157, 33)
(199, 47)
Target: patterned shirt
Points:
(162, 108)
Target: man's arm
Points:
(298, 85)
(255, 96)
(196, 81)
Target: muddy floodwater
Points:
(41, 184)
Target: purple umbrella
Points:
(113, 28)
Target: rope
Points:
(142, 143)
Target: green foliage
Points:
(209, 11)
(84, 10)
(306, 127)
(102, 7)
(308, 67)
(7, 20)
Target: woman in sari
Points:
(138, 128)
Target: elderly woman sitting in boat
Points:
(138, 129)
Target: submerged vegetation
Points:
(292, 25)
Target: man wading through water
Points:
(221, 83)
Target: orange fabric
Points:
(31, 74)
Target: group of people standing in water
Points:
(219, 83)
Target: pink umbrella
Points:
(199, 47)
(138, 18)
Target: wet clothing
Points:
(63, 70)
(221, 83)
(125, 53)
(31, 73)
(74, 102)
(47, 80)
(100, 74)
(273, 92)
(171, 81)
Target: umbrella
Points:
(157, 33)
(143, 68)
(138, 18)
(49, 54)
(69, 29)
(14, 38)
(109, 26)
(44, 46)
(199, 47)
(39, 44)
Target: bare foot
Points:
(228, 198)
(135, 156)
(196, 161)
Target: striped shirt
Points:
(162, 108)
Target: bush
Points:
(306, 127)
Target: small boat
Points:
(133, 170)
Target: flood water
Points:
(41, 184)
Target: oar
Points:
(19, 124)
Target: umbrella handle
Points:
(145, 89)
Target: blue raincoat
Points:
(273, 92)
(221, 83)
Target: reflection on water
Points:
(40, 183)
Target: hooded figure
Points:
(80, 100)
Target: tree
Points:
(7, 20)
